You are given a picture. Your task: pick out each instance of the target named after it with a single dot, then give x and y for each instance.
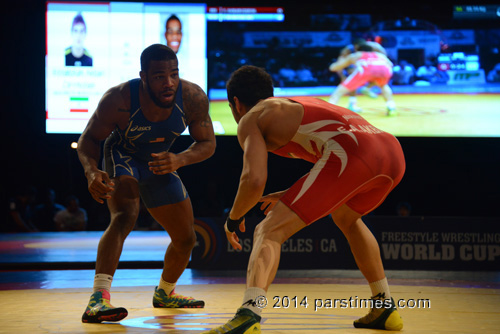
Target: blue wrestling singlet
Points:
(128, 151)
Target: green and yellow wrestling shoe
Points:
(387, 318)
(174, 300)
(391, 111)
(244, 322)
(352, 106)
(99, 309)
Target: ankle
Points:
(166, 286)
(102, 282)
(251, 299)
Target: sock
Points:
(102, 281)
(166, 286)
(380, 289)
(332, 99)
(391, 104)
(249, 299)
(352, 100)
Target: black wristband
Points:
(232, 224)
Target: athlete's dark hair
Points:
(364, 47)
(172, 17)
(249, 84)
(79, 19)
(358, 41)
(156, 52)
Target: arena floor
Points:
(47, 299)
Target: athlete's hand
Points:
(100, 185)
(232, 237)
(270, 200)
(164, 163)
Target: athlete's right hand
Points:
(100, 185)
(232, 237)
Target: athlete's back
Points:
(321, 122)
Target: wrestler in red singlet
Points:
(371, 67)
(355, 163)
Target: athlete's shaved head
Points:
(156, 52)
(249, 84)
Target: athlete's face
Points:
(162, 81)
(173, 35)
(78, 33)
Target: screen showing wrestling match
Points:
(445, 78)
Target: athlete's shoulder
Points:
(191, 87)
(272, 110)
(67, 51)
(120, 89)
(117, 98)
(377, 47)
(194, 98)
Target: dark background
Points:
(444, 177)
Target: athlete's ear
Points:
(238, 106)
(142, 74)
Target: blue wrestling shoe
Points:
(100, 309)
(387, 318)
(174, 300)
(244, 322)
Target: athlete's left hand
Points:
(164, 163)
(270, 200)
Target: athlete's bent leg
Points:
(338, 93)
(387, 94)
(124, 209)
(363, 244)
(178, 220)
(279, 225)
(366, 252)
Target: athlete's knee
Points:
(345, 218)
(186, 242)
(124, 220)
(267, 230)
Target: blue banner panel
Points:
(420, 243)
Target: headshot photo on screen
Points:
(185, 33)
(76, 54)
(173, 32)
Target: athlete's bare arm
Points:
(199, 123)
(254, 173)
(200, 128)
(104, 120)
(343, 62)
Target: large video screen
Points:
(91, 47)
(445, 75)
(445, 81)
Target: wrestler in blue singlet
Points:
(128, 151)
